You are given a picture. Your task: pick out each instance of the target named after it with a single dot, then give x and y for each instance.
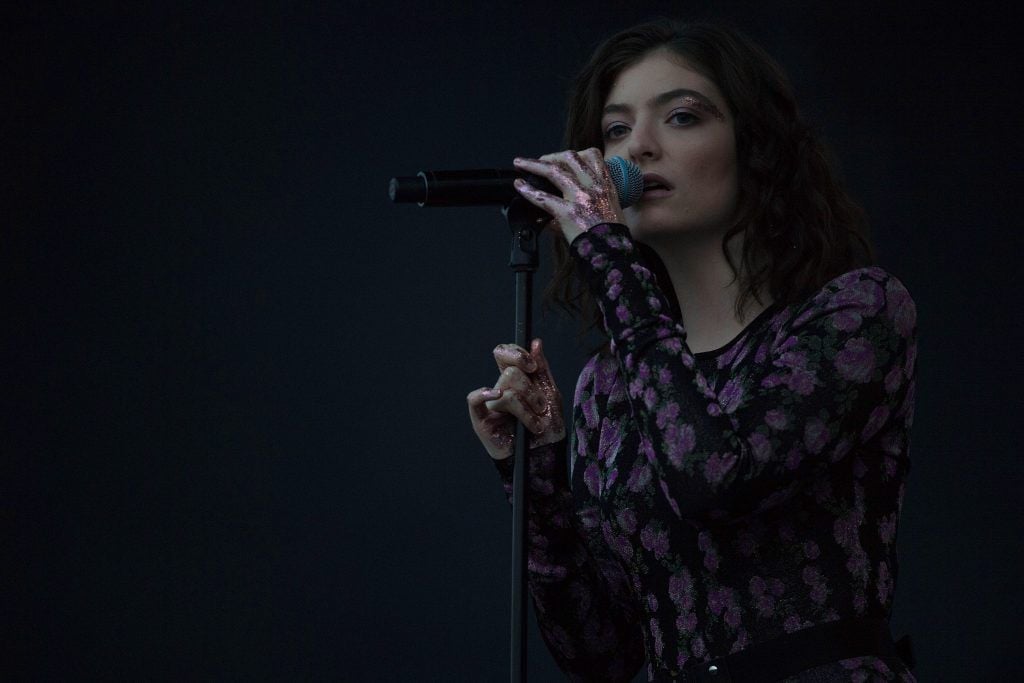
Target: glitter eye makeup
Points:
(704, 106)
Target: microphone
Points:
(494, 186)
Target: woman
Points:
(738, 450)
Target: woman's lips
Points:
(661, 187)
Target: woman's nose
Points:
(643, 144)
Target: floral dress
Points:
(715, 500)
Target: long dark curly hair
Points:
(800, 228)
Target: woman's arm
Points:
(582, 599)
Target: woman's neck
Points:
(707, 289)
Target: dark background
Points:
(235, 440)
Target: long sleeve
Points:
(582, 597)
(833, 378)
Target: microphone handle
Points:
(472, 187)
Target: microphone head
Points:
(628, 179)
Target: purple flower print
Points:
(698, 647)
(680, 589)
(732, 616)
(647, 449)
(908, 365)
(801, 381)
(794, 457)
(901, 308)
(731, 395)
(885, 583)
(620, 544)
(718, 466)
(643, 372)
(845, 530)
(815, 435)
(650, 397)
(864, 296)
(760, 447)
(858, 564)
(717, 599)
(622, 313)
(894, 380)
(846, 320)
(599, 262)
(627, 520)
(659, 644)
(611, 437)
(856, 362)
(670, 498)
(776, 419)
(792, 359)
(877, 418)
(762, 354)
(592, 478)
(887, 528)
(667, 415)
(589, 410)
(654, 539)
(639, 477)
(674, 345)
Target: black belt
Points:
(794, 652)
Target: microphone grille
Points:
(628, 179)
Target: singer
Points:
(724, 501)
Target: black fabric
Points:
(795, 652)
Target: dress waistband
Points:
(794, 652)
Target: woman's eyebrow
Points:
(664, 98)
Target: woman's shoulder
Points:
(852, 278)
(859, 294)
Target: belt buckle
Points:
(715, 671)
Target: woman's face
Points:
(673, 122)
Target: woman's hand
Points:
(588, 198)
(524, 391)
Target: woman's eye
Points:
(683, 118)
(615, 131)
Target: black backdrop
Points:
(234, 374)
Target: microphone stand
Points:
(525, 221)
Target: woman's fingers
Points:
(514, 383)
(513, 355)
(552, 167)
(495, 430)
(477, 402)
(542, 200)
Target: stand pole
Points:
(525, 222)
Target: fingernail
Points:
(492, 393)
